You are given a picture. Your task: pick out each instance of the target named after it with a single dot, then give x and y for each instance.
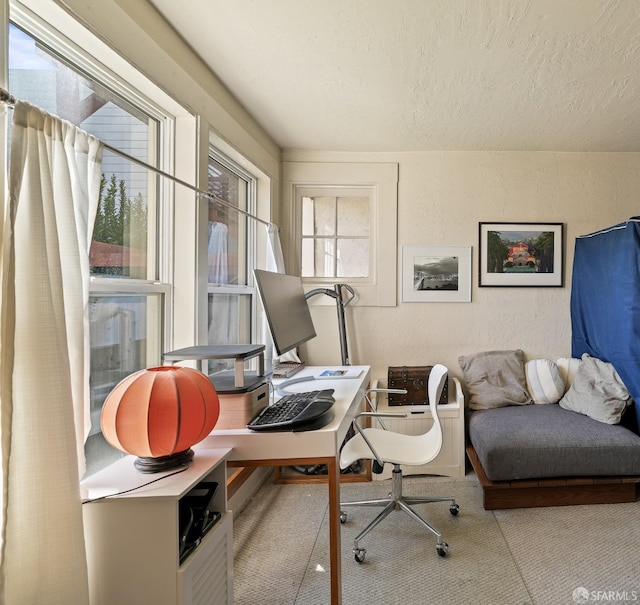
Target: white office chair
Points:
(381, 445)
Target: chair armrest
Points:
(374, 408)
(396, 391)
(382, 414)
(377, 415)
(376, 391)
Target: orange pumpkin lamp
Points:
(158, 413)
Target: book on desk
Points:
(337, 373)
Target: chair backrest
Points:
(437, 378)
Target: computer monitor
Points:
(286, 309)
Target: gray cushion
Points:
(597, 391)
(495, 379)
(527, 442)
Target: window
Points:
(128, 307)
(335, 235)
(230, 257)
(40, 75)
(344, 219)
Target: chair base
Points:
(396, 501)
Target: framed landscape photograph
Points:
(436, 273)
(521, 254)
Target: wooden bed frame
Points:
(567, 491)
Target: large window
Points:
(230, 256)
(128, 302)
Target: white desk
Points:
(322, 446)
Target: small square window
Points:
(335, 236)
(344, 218)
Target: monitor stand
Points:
(226, 382)
(239, 353)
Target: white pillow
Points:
(544, 381)
(568, 367)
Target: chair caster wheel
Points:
(358, 554)
(343, 517)
(454, 509)
(442, 549)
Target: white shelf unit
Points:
(132, 540)
(450, 461)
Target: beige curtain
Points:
(54, 178)
(275, 258)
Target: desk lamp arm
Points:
(336, 294)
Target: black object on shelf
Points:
(196, 516)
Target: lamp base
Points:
(147, 464)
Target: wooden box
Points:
(238, 408)
(415, 380)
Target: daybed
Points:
(549, 433)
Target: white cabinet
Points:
(132, 540)
(451, 459)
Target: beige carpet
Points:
(544, 556)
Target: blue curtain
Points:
(605, 302)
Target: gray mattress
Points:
(540, 441)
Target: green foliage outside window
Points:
(119, 217)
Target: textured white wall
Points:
(442, 198)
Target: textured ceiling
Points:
(407, 75)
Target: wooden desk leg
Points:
(335, 555)
(334, 531)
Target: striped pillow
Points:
(568, 367)
(544, 381)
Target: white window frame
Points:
(259, 205)
(381, 180)
(246, 289)
(252, 184)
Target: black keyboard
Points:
(295, 410)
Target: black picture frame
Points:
(521, 255)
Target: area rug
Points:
(282, 549)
